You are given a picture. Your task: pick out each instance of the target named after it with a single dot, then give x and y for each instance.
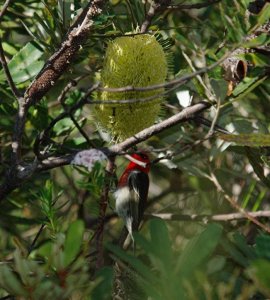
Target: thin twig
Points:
(172, 154)
(209, 218)
(43, 82)
(166, 84)
(44, 135)
(10, 81)
(4, 9)
(193, 6)
(185, 115)
(156, 96)
(66, 89)
(235, 205)
(143, 135)
(155, 6)
(55, 67)
(3, 61)
(81, 131)
(207, 90)
(158, 7)
(203, 121)
(35, 239)
(61, 99)
(102, 213)
(213, 124)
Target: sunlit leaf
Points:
(251, 140)
(25, 64)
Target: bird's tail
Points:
(129, 225)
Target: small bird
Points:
(132, 191)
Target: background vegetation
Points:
(206, 233)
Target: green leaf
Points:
(256, 59)
(216, 264)
(235, 254)
(73, 241)
(247, 196)
(103, 290)
(9, 282)
(260, 273)
(25, 64)
(149, 282)
(198, 249)
(42, 22)
(137, 264)
(160, 239)
(220, 88)
(251, 140)
(241, 243)
(264, 14)
(9, 48)
(244, 85)
(64, 11)
(257, 164)
(263, 246)
(259, 200)
(45, 249)
(262, 39)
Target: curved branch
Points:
(145, 134)
(17, 176)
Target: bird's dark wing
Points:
(139, 185)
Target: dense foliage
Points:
(49, 224)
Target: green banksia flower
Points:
(137, 61)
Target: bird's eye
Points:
(143, 156)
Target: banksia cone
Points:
(137, 61)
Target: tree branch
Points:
(170, 83)
(4, 8)
(143, 135)
(14, 180)
(162, 5)
(209, 218)
(193, 6)
(235, 205)
(44, 81)
(154, 8)
(44, 135)
(61, 60)
(185, 115)
(53, 69)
